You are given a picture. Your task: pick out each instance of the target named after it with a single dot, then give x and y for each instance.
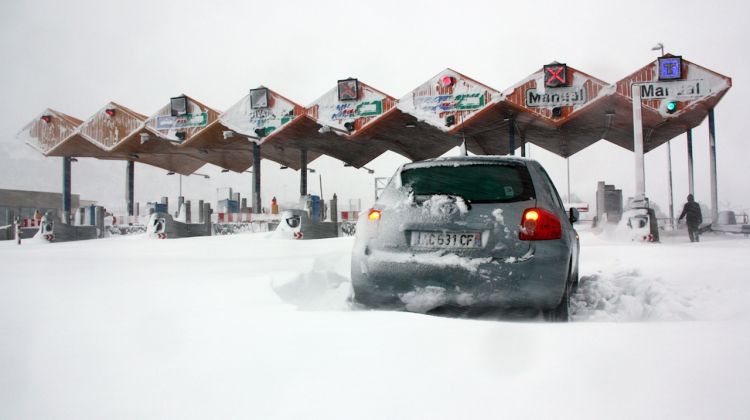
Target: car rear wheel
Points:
(560, 313)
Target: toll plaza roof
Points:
(558, 107)
(694, 93)
(110, 128)
(48, 130)
(331, 124)
(429, 120)
(180, 128)
(541, 114)
(259, 117)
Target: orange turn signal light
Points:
(374, 215)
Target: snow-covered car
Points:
(467, 231)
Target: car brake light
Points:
(374, 215)
(539, 225)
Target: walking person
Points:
(692, 214)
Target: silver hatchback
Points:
(472, 232)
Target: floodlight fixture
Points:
(180, 135)
(46, 118)
(228, 134)
(450, 120)
(349, 125)
(110, 112)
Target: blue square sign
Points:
(670, 68)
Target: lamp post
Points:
(657, 47)
(194, 173)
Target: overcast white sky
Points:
(75, 56)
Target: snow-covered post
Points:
(207, 213)
(17, 230)
(640, 175)
(187, 211)
(334, 209)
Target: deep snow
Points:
(246, 326)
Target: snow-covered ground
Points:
(248, 327)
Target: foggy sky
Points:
(76, 56)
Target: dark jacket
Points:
(692, 213)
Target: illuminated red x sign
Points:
(348, 90)
(555, 75)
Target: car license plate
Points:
(446, 239)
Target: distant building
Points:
(23, 204)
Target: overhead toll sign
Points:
(555, 75)
(566, 96)
(670, 68)
(169, 122)
(680, 90)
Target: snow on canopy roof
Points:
(658, 125)
(582, 90)
(107, 131)
(199, 117)
(243, 119)
(370, 105)
(262, 125)
(358, 131)
(44, 136)
(331, 127)
(461, 98)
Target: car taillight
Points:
(374, 215)
(539, 225)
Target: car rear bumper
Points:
(421, 282)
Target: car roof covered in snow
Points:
(463, 160)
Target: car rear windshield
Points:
(478, 183)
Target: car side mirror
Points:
(573, 216)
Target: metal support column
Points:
(523, 146)
(640, 173)
(691, 180)
(712, 166)
(303, 173)
(511, 137)
(256, 178)
(130, 187)
(66, 194)
(671, 195)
